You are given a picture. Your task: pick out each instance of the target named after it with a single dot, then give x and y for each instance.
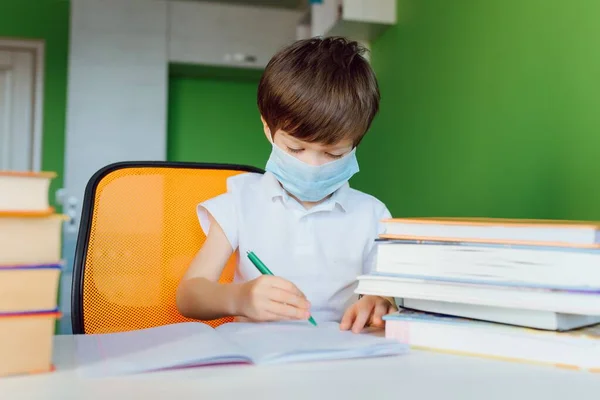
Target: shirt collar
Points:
(273, 190)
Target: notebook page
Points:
(284, 342)
(169, 346)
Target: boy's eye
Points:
(334, 155)
(291, 150)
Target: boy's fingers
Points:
(380, 310)
(287, 286)
(271, 317)
(361, 319)
(348, 318)
(285, 297)
(287, 312)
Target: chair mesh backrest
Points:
(143, 235)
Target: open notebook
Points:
(195, 344)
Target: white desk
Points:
(418, 375)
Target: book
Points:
(26, 342)
(584, 302)
(25, 191)
(190, 344)
(577, 349)
(25, 288)
(496, 230)
(558, 267)
(30, 265)
(537, 319)
(30, 239)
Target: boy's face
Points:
(309, 153)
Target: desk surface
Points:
(419, 375)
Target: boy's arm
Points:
(199, 294)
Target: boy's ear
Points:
(266, 129)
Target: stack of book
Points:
(524, 290)
(30, 265)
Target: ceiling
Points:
(289, 4)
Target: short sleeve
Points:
(223, 210)
(380, 214)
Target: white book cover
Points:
(501, 264)
(547, 320)
(497, 230)
(543, 299)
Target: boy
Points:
(317, 98)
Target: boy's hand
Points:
(366, 312)
(271, 298)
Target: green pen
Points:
(262, 268)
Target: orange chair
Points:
(138, 234)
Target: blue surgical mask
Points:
(311, 182)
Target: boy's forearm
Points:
(200, 298)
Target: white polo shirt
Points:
(321, 250)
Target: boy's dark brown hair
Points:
(319, 90)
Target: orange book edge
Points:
(29, 174)
(34, 214)
(51, 368)
(27, 213)
(495, 221)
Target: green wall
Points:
(489, 108)
(48, 20)
(213, 117)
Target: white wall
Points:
(117, 90)
(209, 33)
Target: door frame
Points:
(37, 48)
